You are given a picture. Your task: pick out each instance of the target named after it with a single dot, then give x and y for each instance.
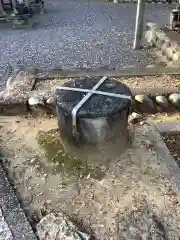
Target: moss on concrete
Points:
(66, 163)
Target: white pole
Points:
(139, 24)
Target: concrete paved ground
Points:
(78, 34)
(136, 196)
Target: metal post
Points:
(139, 24)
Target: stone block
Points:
(13, 100)
(59, 227)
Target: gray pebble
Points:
(33, 160)
(162, 101)
(135, 117)
(35, 101)
(51, 101)
(150, 25)
(175, 99)
(142, 123)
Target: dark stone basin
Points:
(102, 121)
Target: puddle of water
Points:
(67, 164)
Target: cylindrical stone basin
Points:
(101, 121)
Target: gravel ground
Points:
(13, 222)
(5, 232)
(77, 34)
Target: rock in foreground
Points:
(53, 227)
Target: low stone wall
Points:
(160, 39)
(38, 98)
(160, 103)
(144, 103)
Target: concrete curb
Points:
(123, 72)
(147, 1)
(12, 211)
(164, 156)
